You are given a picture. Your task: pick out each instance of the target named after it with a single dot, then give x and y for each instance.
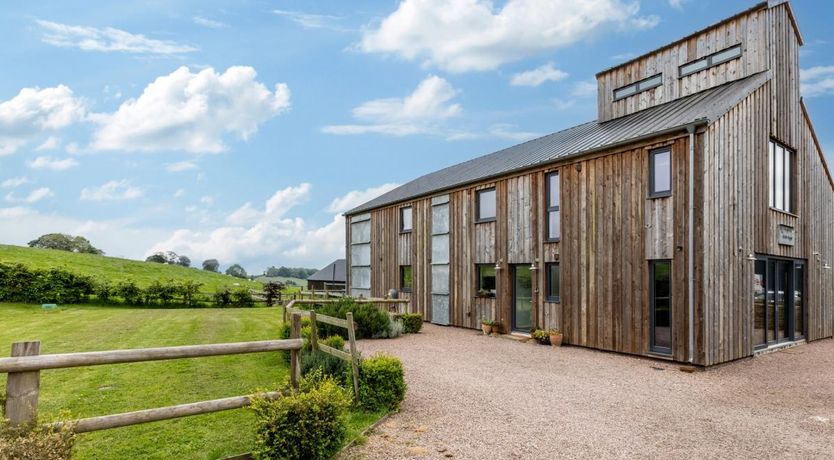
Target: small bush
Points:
(335, 341)
(37, 444)
(328, 365)
(381, 383)
(395, 329)
(371, 322)
(412, 322)
(307, 424)
(222, 297)
(242, 298)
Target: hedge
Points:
(381, 383)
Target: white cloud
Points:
(53, 164)
(35, 111)
(33, 197)
(419, 112)
(676, 4)
(111, 191)
(817, 81)
(207, 200)
(538, 76)
(258, 236)
(14, 182)
(498, 130)
(356, 197)
(14, 213)
(179, 193)
(645, 22)
(107, 39)
(51, 143)
(623, 56)
(210, 23)
(476, 35)
(180, 166)
(311, 21)
(587, 88)
(563, 104)
(191, 112)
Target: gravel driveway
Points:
(471, 396)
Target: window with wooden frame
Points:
(405, 278)
(638, 87)
(780, 160)
(486, 280)
(553, 281)
(405, 220)
(485, 205)
(660, 172)
(554, 216)
(714, 59)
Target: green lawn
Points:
(101, 390)
(115, 270)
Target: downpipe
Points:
(691, 243)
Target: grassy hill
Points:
(114, 269)
(282, 279)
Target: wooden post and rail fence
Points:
(26, 363)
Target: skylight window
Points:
(720, 57)
(638, 87)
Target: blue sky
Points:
(241, 130)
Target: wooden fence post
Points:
(295, 364)
(354, 354)
(314, 331)
(22, 389)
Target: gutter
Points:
(690, 247)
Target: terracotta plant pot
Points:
(556, 340)
(486, 328)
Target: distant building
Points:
(692, 221)
(330, 278)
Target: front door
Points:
(522, 298)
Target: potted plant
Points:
(555, 336)
(496, 327)
(486, 325)
(541, 336)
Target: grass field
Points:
(299, 283)
(114, 269)
(101, 390)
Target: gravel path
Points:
(471, 396)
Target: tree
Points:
(64, 242)
(211, 265)
(237, 271)
(185, 261)
(158, 258)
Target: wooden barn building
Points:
(329, 279)
(693, 221)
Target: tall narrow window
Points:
(405, 278)
(660, 172)
(553, 282)
(485, 202)
(405, 220)
(661, 304)
(486, 280)
(780, 167)
(554, 218)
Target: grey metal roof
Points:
(334, 272)
(702, 107)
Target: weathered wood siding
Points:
(750, 30)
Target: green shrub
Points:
(381, 383)
(327, 365)
(310, 423)
(38, 444)
(335, 341)
(242, 298)
(103, 291)
(412, 322)
(129, 292)
(371, 322)
(222, 297)
(395, 329)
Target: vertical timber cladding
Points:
(360, 255)
(820, 211)
(607, 232)
(440, 259)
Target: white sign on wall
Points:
(785, 235)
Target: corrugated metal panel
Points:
(585, 138)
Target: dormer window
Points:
(714, 59)
(638, 87)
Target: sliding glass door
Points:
(778, 296)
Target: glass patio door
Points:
(778, 310)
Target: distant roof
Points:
(702, 107)
(335, 272)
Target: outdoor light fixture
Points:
(534, 265)
(498, 264)
(751, 257)
(826, 266)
